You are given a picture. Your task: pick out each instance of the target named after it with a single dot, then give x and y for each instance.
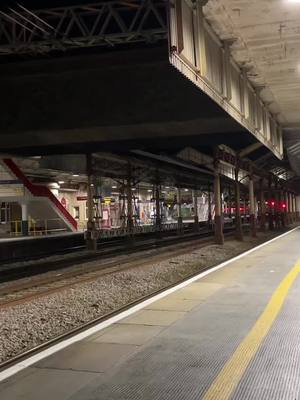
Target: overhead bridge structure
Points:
(107, 23)
(130, 95)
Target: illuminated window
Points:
(4, 213)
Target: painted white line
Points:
(57, 347)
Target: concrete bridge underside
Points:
(117, 100)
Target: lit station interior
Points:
(150, 199)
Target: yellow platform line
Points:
(232, 372)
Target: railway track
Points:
(19, 293)
(10, 272)
(63, 276)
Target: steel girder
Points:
(108, 23)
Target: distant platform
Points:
(26, 246)
(38, 237)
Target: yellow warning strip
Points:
(232, 372)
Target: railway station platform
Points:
(21, 248)
(232, 332)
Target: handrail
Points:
(39, 191)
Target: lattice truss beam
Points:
(106, 23)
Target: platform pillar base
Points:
(219, 237)
(180, 226)
(91, 236)
(253, 225)
(25, 228)
(196, 224)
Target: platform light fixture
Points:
(61, 182)
(114, 187)
(75, 175)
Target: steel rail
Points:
(88, 274)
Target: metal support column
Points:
(219, 237)
(209, 218)
(179, 219)
(282, 209)
(91, 234)
(196, 218)
(24, 223)
(229, 205)
(291, 208)
(252, 207)
(287, 211)
(243, 196)
(238, 222)
(262, 207)
(157, 208)
(277, 206)
(129, 225)
(271, 207)
(294, 208)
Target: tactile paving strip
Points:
(274, 373)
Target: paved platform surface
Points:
(234, 334)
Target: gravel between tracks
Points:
(25, 326)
